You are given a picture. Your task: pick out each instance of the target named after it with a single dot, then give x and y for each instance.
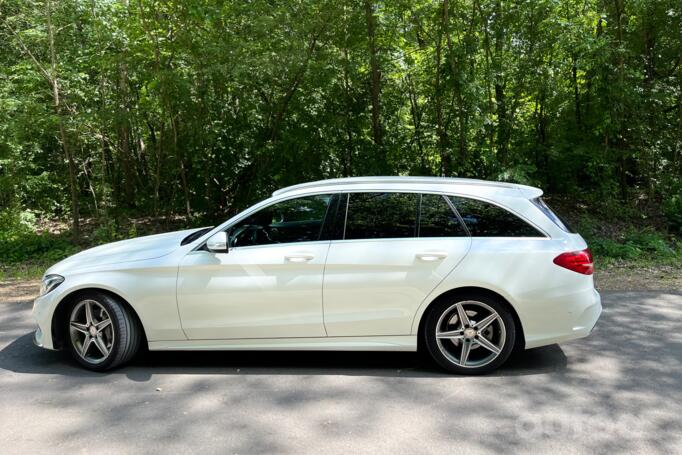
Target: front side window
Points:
(437, 219)
(488, 220)
(381, 215)
(293, 220)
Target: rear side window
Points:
(488, 220)
(437, 219)
(381, 215)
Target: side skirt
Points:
(377, 343)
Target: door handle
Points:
(299, 257)
(431, 256)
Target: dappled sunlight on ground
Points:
(614, 391)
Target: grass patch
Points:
(24, 270)
(28, 255)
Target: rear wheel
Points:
(103, 333)
(470, 334)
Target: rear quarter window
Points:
(484, 219)
(437, 219)
(556, 219)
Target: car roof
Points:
(453, 185)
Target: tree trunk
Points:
(375, 76)
(416, 116)
(503, 123)
(289, 94)
(678, 153)
(462, 115)
(576, 94)
(348, 160)
(243, 185)
(441, 131)
(183, 172)
(619, 6)
(157, 143)
(124, 137)
(59, 111)
(488, 69)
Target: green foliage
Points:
(19, 241)
(199, 108)
(112, 231)
(634, 246)
(628, 243)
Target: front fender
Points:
(151, 292)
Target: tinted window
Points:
(335, 219)
(294, 220)
(338, 220)
(437, 219)
(542, 205)
(381, 215)
(487, 220)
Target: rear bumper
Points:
(574, 317)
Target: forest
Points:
(182, 113)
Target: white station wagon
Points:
(467, 270)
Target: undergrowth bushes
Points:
(20, 241)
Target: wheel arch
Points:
(462, 291)
(61, 313)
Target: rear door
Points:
(393, 251)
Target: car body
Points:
(340, 264)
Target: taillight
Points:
(578, 261)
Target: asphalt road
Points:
(618, 391)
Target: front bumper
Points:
(43, 309)
(38, 338)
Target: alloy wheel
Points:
(91, 330)
(470, 334)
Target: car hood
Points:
(138, 249)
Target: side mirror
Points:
(217, 243)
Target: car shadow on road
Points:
(21, 356)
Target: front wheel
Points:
(470, 334)
(103, 333)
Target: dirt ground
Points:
(18, 291)
(625, 277)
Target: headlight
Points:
(49, 283)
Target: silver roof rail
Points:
(398, 180)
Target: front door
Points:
(269, 283)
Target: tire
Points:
(482, 350)
(86, 319)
